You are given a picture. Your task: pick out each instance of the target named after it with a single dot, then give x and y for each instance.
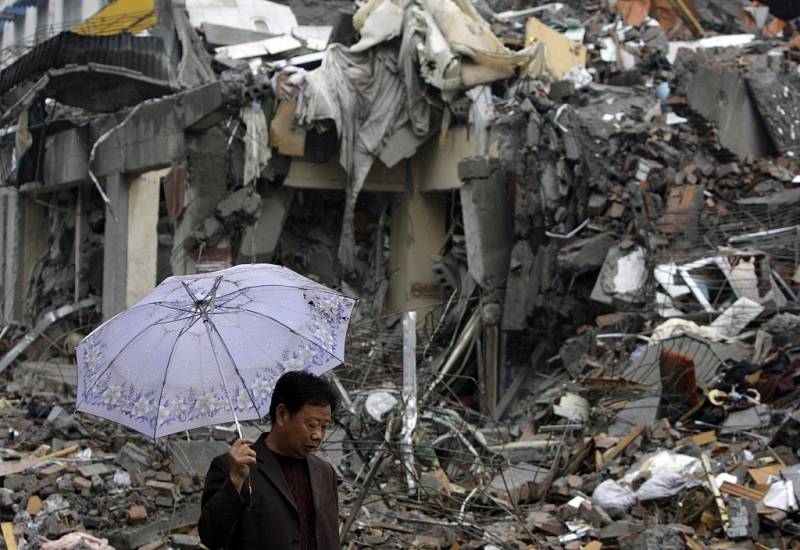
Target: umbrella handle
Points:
(249, 484)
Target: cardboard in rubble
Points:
(289, 140)
(560, 55)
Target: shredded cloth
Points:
(295, 470)
(365, 95)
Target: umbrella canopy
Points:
(208, 349)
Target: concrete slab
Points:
(622, 276)
(522, 287)
(516, 483)
(585, 255)
(777, 99)
(487, 227)
(723, 97)
(330, 175)
(224, 35)
(261, 239)
(67, 159)
(194, 457)
(638, 411)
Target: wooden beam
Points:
(8, 535)
(617, 449)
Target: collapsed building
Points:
(565, 194)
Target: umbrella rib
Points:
(189, 324)
(287, 327)
(120, 352)
(208, 324)
(316, 289)
(174, 308)
(235, 366)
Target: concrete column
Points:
(10, 227)
(142, 247)
(487, 220)
(31, 18)
(81, 233)
(418, 231)
(130, 252)
(34, 236)
(115, 247)
(8, 42)
(55, 16)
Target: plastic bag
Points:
(613, 497)
(664, 486)
(665, 462)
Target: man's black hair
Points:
(296, 389)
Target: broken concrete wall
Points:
(722, 96)
(51, 281)
(67, 159)
(206, 185)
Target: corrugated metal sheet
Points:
(145, 55)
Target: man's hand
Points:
(240, 457)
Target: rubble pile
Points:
(66, 475)
(574, 230)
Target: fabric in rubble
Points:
(257, 151)
(377, 22)
(365, 95)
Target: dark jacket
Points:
(272, 521)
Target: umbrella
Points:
(208, 349)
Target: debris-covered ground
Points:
(608, 357)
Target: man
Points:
(274, 493)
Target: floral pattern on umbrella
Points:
(208, 349)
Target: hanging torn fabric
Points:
(23, 138)
(365, 95)
(257, 151)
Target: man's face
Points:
(302, 433)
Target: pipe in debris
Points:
(463, 509)
(361, 494)
(467, 335)
(374, 466)
(758, 234)
(344, 397)
(439, 325)
(455, 432)
(570, 234)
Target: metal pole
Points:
(376, 464)
(409, 396)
